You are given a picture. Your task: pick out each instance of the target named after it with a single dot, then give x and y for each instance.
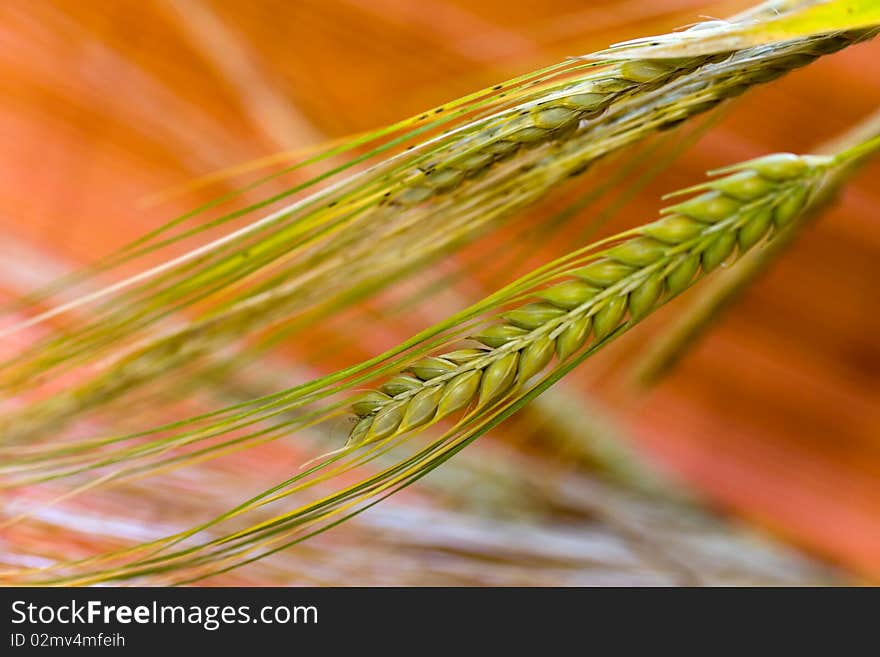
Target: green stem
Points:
(859, 151)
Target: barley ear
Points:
(586, 302)
(853, 149)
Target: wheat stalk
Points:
(687, 328)
(625, 283)
(553, 117)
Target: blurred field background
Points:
(771, 422)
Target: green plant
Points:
(513, 144)
(350, 239)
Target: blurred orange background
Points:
(774, 417)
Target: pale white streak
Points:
(199, 141)
(150, 273)
(456, 29)
(23, 267)
(230, 56)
